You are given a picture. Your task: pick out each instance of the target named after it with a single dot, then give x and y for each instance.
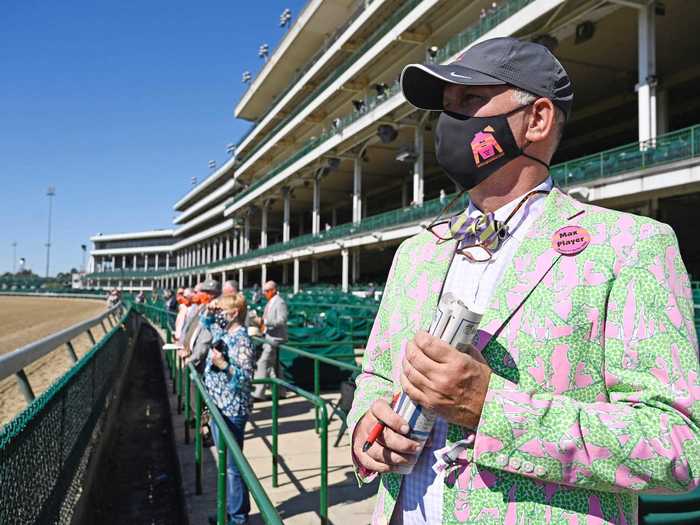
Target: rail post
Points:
(221, 480)
(188, 408)
(180, 364)
(317, 389)
(275, 403)
(197, 441)
(71, 352)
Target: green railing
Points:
(266, 507)
(453, 46)
(671, 147)
(675, 146)
(42, 449)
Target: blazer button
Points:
(528, 467)
(502, 460)
(540, 471)
(515, 463)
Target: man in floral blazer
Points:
(581, 390)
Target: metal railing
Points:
(42, 450)
(224, 444)
(15, 362)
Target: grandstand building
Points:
(337, 168)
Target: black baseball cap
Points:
(494, 62)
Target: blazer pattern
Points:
(595, 394)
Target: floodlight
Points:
(433, 51)
(264, 51)
(247, 77)
(231, 149)
(212, 164)
(285, 17)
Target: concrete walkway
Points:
(297, 494)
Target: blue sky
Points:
(118, 105)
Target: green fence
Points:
(671, 147)
(675, 146)
(41, 450)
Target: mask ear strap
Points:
(522, 152)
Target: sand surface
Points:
(27, 319)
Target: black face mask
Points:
(470, 149)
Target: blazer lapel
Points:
(533, 262)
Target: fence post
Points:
(324, 465)
(71, 352)
(317, 388)
(197, 441)
(221, 480)
(92, 337)
(24, 386)
(188, 408)
(275, 402)
(180, 364)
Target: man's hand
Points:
(392, 449)
(441, 378)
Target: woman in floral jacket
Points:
(228, 376)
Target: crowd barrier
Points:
(43, 449)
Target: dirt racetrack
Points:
(27, 319)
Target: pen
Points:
(376, 429)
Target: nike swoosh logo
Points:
(459, 76)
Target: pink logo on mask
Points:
(485, 147)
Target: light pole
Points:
(14, 257)
(84, 248)
(50, 194)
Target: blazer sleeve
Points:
(645, 436)
(373, 382)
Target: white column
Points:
(418, 168)
(296, 275)
(241, 277)
(344, 253)
(124, 261)
(246, 233)
(114, 260)
(228, 246)
(145, 262)
(314, 270)
(263, 274)
(156, 261)
(357, 191)
(134, 261)
(223, 278)
(646, 88)
(316, 207)
(287, 210)
(167, 261)
(234, 243)
(220, 253)
(263, 225)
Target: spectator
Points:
(184, 300)
(197, 337)
(274, 328)
(113, 298)
(140, 298)
(230, 288)
(170, 301)
(228, 377)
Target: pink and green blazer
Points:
(595, 395)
